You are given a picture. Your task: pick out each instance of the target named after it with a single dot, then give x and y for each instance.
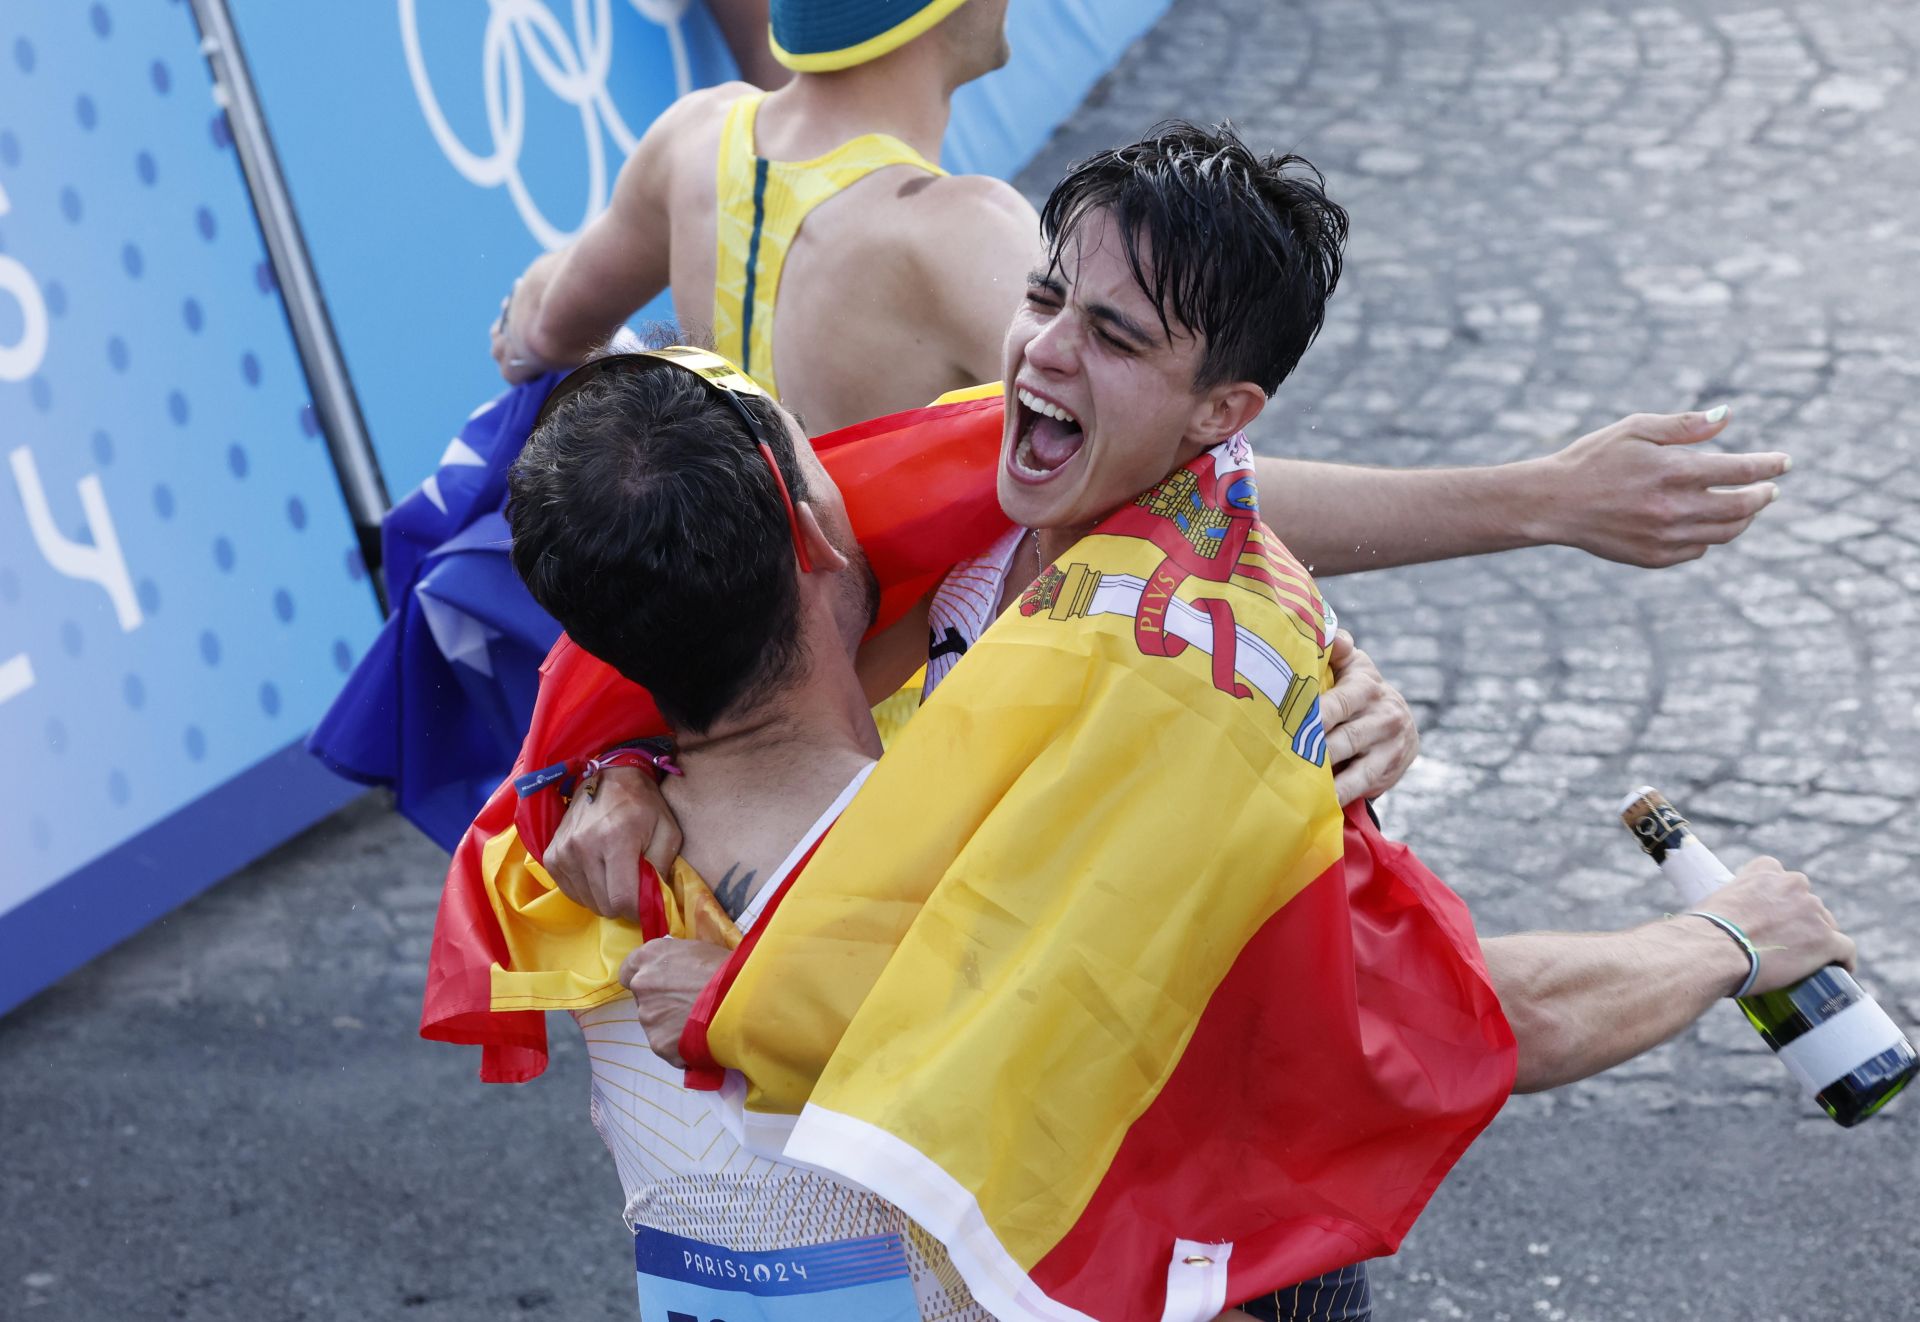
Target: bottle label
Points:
(1836, 1048)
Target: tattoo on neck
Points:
(735, 889)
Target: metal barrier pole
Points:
(354, 462)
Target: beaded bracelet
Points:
(661, 763)
(1740, 939)
(655, 755)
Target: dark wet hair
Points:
(1239, 249)
(647, 523)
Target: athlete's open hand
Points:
(612, 822)
(666, 976)
(1641, 492)
(1371, 737)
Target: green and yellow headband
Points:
(821, 36)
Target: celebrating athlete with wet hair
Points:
(1183, 277)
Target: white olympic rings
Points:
(576, 72)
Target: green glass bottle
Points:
(1832, 1037)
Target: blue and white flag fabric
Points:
(438, 706)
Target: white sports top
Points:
(964, 605)
(686, 1171)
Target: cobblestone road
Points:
(1562, 213)
(1559, 220)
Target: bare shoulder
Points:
(688, 127)
(699, 107)
(964, 254)
(964, 226)
(682, 139)
(960, 201)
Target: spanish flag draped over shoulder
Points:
(507, 946)
(1134, 1020)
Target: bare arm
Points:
(889, 658)
(569, 301)
(1580, 1003)
(594, 857)
(621, 816)
(1634, 491)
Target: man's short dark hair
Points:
(1239, 249)
(646, 521)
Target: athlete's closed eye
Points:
(1045, 291)
(1118, 330)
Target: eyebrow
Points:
(1118, 320)
(1105, 313)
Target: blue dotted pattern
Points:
(171, 378)
(339, 151)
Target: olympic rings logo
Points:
(522, 33)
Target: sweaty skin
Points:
(896, 290)
(924, 297)
(1578, 1003)
(900, 289)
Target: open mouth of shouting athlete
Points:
(1102, 399)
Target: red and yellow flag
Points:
(508, 946)
(1134, 1020)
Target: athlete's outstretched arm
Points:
(569, 301)
(1583, 1002)
(1636, 491)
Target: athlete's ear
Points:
(827, 558)
(1223, 410)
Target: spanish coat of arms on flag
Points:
(1132, 1017)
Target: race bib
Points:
(683, 1280)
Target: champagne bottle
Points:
(1833, 1038)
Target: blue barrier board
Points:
(179, 594)
(475, 135)
(1061, 48)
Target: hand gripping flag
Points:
(1133, 1020)
(507, 946)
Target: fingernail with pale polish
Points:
(1773, 494)
(1716, 413)
(1786, 463)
